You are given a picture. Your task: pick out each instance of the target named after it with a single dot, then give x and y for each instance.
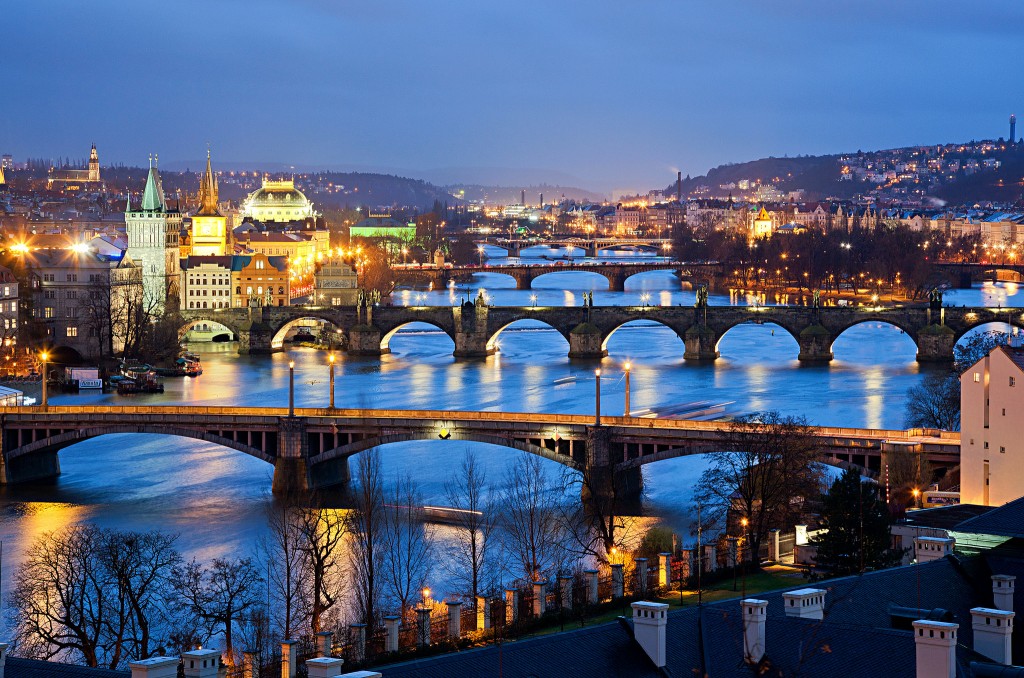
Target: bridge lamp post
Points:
(627, 366)
(291, 388)
(480, 250)
(330, 359)
(533, 300)
(597, 398)
(44, 357)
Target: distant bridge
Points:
(475, 328)
(524, 274)
(591, 245)
(964, 274)
(311, 448)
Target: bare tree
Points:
(530, 505)
(60, 597)
(407, 548)
(935, 403)
(322, 532)
(596, 525)
(282, 548)
(468, 554)
(365, 524)
(219, 595)
(768, 466)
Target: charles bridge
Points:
(524, 274)
(309, 448)
(475, 327)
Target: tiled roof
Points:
(1005, 521)
(944, 517)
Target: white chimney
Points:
(155, 667)
(805, 603)
(649, 623)
(992, 631)
(201, 663)
(1002, 591)
(927, 549)
(324, 667)
(754, 613)
(935, 644)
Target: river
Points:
(215, 497)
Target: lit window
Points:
(72, 331)
(977, 377)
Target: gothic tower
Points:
(209, 226)
(153, 235)
(94, 165)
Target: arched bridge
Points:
(965, 274)
(591, 245)
(524, 274)
(310, 448)
(475, 328)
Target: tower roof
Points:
(153, 197)
(208, 191)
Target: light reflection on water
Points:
(215, 497)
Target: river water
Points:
(215, 497)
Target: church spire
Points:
(208, 190)
(153, 197)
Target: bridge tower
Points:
(471, 331)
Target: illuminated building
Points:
(382, 226)
(74, 179)
(762, 225)
(259, 278)
(277, 201)
(209, 232)
(153, 234)
(336, 283)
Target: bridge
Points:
(475, 328)
(591, 245)
(964, 274)
(524, 274)
(309, 448)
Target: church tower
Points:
(153, 234)
(209, 226)
(94, 164)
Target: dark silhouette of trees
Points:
(855, 525)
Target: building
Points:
(277, 201)
(206, 282)
(208, 235)
(9, 313)
(76, 179)
(260, 279)
(991, 431)
(154, 231)
(336, 284)
(293, 245)
(382, 226)
(82, 300)
(762, 225)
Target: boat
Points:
(181, 368)
(144, 383)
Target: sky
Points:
(611, 95)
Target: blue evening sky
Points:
(610, 94)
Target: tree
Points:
(530, 507)
(474, 522)
(935, 403)
(286, 566)
(407, 548)
(767, 468)
(322, 532)
(365, 524)
(596, 525)
(219, 595)
(855, 525)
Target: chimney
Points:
(935, 643)
(754, 612)
(927, 549)
(992, 632)
(805, 603)
(324, 667)
(1002, 591)
(649, 623)
(288, 664)
(155, 667)
(483, 612)
(679, 187)
(201, 663)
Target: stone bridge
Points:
(310, 447)
(592, 245)
(525, 274)
(965, 274)
(475, 328)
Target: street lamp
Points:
(480, 249)
(330, 359)
(44, 356)
(291, 388)
(627, 389)
(597, 398)
(405, 255)
(533, 300)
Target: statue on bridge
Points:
(935, 299)
(702, 296)
(817, 298)
(481, 299)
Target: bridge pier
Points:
(365, 340)
(935, 344)
(256, 339)
(585, 343)
(815, 345)
(44, 465)
(291, 471)
(471, 333)
(701, 344)
(616, 281)
(524, 280)
(607, 492)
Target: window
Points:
(1013, 382)
(986, 444)
(977, 377)
(72, 277)
(47, 277)
(50, 294)
(1002, 450)
(72, 331)
(72, 294)
(48, 312)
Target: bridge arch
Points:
(1000, 274)
(652, 319)
(58, 442)
(279, 336)
(346, 451)
(192, 319)
(596, 270)
(905, 329)
(757, 321)
(385, 340)
(492, 341)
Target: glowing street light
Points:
(291, 388)
(44, 356)
(480, 250)
(597, 397)
(533, 300)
